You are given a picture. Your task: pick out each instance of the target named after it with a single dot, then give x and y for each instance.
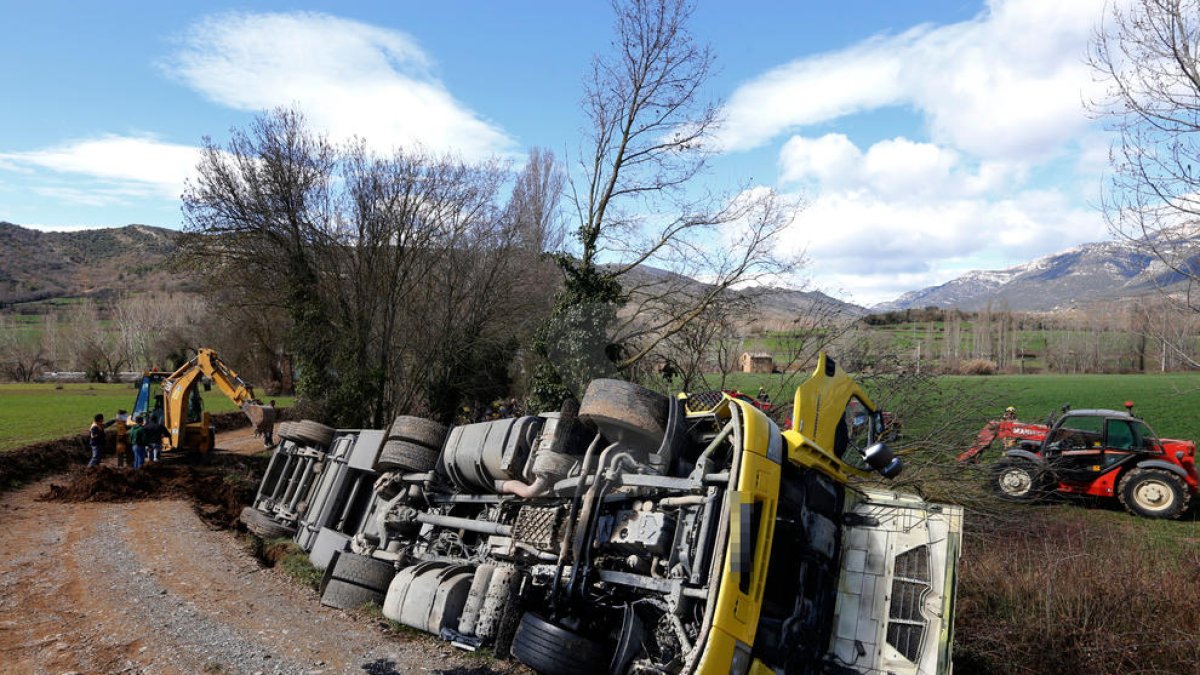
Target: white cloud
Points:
(350, 79)
(127, 166)
(1007, 84)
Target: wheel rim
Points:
(1015, 482)
(1153, 495)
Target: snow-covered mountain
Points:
(1078, 276)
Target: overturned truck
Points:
(632, 533)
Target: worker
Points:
(1010, 413)
(269, 432)
(96, 438)
(154, 432)
(121, 426)
(137, 440)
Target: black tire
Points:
(1019, 480)
(365, 571)
(417, 430)
(262, 525)
(312, 433)
(405, 456)
(345, 595)
(1154, 493)
(551, 650)
(626, 411)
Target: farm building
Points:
(757, 362)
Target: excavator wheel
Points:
(262, 525)
(405, 456)
(417, 430)
(313, 434)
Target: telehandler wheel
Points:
(363, 570)
(262, 525)
(345, 595)
(417, 430)
(549, 649)
(405, 456)
(626, 412)
(1019, 480)
(1153, 493)
(312, 433)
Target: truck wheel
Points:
(262, 525)
(405, 456)
(1153, 493)
(363, 570)
(345, 595)
(549, 649)
(312, 433)
(284, 431)
(1018, 480)
(417, 430)
(624, 411)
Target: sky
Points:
(923, 139)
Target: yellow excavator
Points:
(175, 399)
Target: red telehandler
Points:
(1098, 453)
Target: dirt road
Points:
(147, 586)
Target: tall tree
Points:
(1145, 53)
(637, 207)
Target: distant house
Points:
(757, 362)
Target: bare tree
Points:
(637, 208)
(391, 268)
(1146, 55)
(23, 354)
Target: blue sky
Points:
(925, 138)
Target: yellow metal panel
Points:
(718, 653)
(821, 401)
(736, 612)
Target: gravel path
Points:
(147, 587)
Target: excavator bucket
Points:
(262, 417)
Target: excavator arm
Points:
(178, 394)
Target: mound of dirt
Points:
(32, 462)
(218, 490)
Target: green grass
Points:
(38, 412)
(1165, 401)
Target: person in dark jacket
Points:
(96, 437)
(154, 431)
(137, 440)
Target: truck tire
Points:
(1153, 493)
(626, 411)
(345, 595)
(284, 431)
(1019, 480)
(405, 456)
(551, 650)
(417, 430)
(261, 524)
(313, 434)
(365, 571)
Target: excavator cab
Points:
(175, 397)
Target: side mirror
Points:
(881, 458)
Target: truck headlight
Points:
(881, 458)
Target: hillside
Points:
(1102, 271)
(36, 265)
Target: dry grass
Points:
(1070, 589)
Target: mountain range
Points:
(1074, 278)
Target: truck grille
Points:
(906, 625)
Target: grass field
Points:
(37, 412)
(1168, 402)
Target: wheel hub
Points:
(1015, 482)
(1153, 495)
